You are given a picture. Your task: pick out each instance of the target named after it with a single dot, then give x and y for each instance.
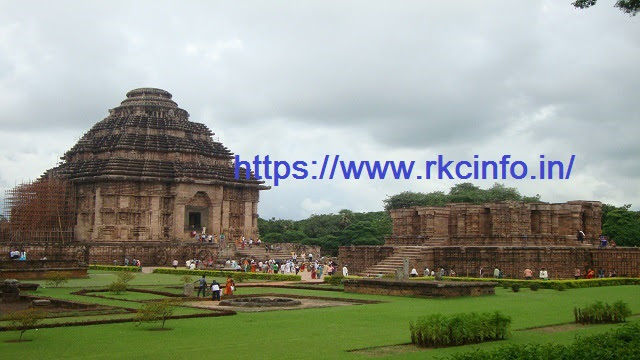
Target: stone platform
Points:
(419, 288)
(38, 269)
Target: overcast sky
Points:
(368, 80)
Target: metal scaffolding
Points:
(42, 211)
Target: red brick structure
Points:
(512, 236)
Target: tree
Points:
(119, 286)
(24, 320)
(56, 278)
(156, 311)
(621, 224)
(463, 192)
(125, 276)
(631, 7)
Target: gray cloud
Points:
(366, 79)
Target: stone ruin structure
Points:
(138, 183)
(509, 235)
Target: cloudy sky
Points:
(368, 80)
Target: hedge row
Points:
(115, 268)
(620, 343)
(337, 279)
(549, 284)
(459, 329)
(236, 275)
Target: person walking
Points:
(202, 282)
(229, 287)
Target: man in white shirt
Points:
(215, 291)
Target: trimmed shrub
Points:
(602, 313)
(560, 287)
(236, 275)
(515, 287)
(438, 330)
(333, 279)
(115, 268)
(534, 287)
(337, 279)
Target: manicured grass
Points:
(327, 333)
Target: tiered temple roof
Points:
(149, 138)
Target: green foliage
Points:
(621, 224)
(515, 287)
(620, 343)
(560, 287)
(337, 279)
(464, 192)
(236, 275)
(125, 277)
(115, 268)
(439, 330)
(631, 7)
(56, 278)
(156, 311)
(186, 279)
(117, 287)
(329, 231)
(24, 320)
(602, 313)
(534, 287)
(333, 279)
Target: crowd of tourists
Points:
(17, 255)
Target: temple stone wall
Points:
(560, 261)
(358, 258)
(148, 253)
(505, 222)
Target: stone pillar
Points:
(226, 208)
(155, 231)
(97, 215)
(248, 219)
(10, 291)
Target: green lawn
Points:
(98, 278)
(327, 333)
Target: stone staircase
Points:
(258, 253)
(393, 262)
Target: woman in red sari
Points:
(229, 287)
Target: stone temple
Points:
(147, 177)
(509, 235)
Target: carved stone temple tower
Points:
(147, 173)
